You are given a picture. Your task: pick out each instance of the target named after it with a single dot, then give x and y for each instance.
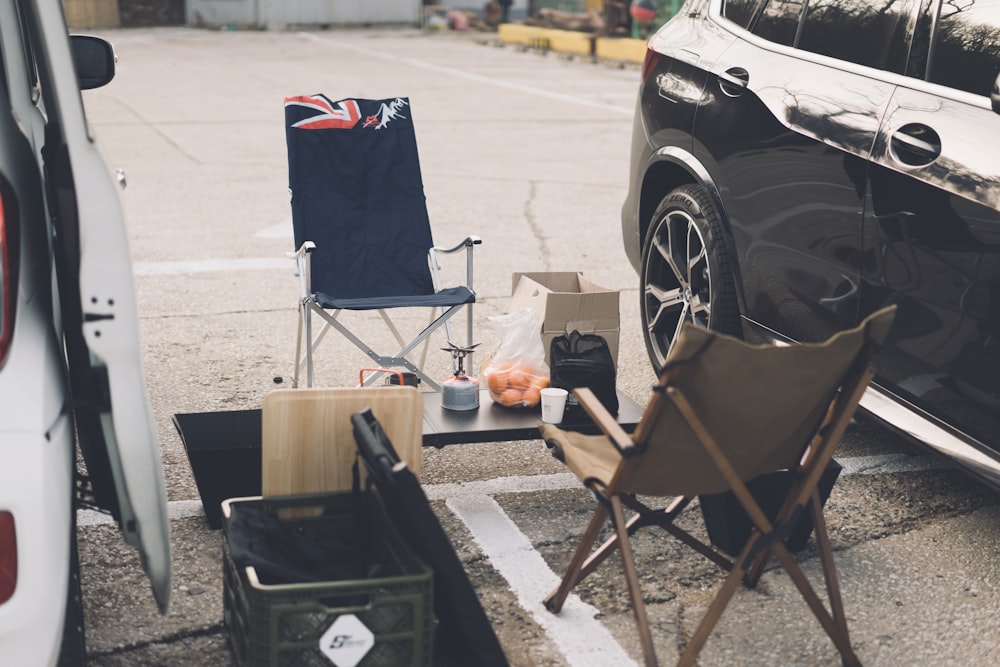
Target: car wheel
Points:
(685, 272)
(73, 652)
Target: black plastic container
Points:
(224, 450)
(729, 526)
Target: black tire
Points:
(685, 272)
(73, 652)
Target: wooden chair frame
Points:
(767, 537)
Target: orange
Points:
(532, 396)
(519, 377)
(497, 381)
(511, 397)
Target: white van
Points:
(71, 376)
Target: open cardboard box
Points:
(565, 301)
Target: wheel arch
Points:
(669, 168)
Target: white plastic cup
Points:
(553, 404)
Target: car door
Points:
(794, 118)
(100, 317)
(933, 223)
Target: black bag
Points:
(583, 360)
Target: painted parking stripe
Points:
(580, 637)
(855, 465)
(454, 73)
(211, 266)
(577, 633)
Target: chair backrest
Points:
(762, 404)
(357, 193)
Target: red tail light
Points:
(8, 556)
(649, 63)
(9, 249)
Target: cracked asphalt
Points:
(529, 151)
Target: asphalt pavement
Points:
(528, 150)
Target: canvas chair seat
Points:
(760, 409)
(450, 296)
(723, 413)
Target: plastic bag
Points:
(517, 373)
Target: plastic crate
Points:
(283, 624)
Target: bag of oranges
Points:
(517, 372)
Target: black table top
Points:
(495, 423)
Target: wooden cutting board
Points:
(308, 443)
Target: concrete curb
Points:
(568, 41)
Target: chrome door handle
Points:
(734, 81)
(915, 145)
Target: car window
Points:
(779, 21)
(916, 65)
(866, 32)
(965, 53)
(739, 11)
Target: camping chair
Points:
(723, 413)
(362, 234)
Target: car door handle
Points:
(915, 145)
(734, 81)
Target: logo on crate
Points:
(347, 641)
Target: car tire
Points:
(73, 651)
(685, 272)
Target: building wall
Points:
(84, 14)
(277, 14)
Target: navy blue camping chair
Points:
(362, 234)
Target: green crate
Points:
(282, 625)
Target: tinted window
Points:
(779, 21)
(858, 31)
(739, 11)
(966, 50)
(921, 40)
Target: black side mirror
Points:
(995, 95)
(94, 59)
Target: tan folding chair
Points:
(723, 413)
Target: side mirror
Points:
(94, 59)
(995, 95)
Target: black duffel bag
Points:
(583, 360)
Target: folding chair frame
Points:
(766, 539)
(308, 306)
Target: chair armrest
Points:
(467, 243)
(306, 247)
(606, 422)
(304, 270)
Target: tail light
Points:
(8, 556)
(9, 249)
(649, 63)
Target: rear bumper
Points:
(36, 485)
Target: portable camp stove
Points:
(459, 391)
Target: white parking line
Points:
(855, 465)
(211, 266)
(457, 73)
(581, 638)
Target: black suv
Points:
(799, 164)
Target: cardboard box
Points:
(565, 301)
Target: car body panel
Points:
(804, 132)
(933, 234)
(110, 314)
(846, 182)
